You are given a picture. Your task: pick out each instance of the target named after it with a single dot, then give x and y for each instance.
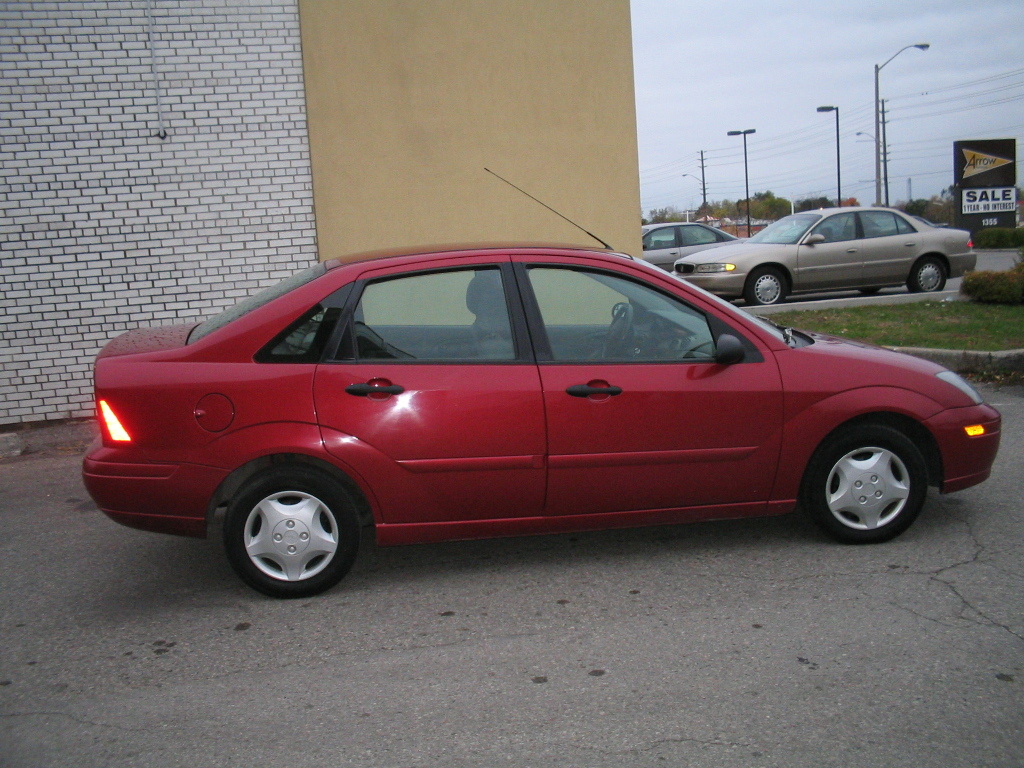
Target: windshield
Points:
(257, 300)
(786, 231)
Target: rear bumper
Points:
(166, 498)
(962, 263)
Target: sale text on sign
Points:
(990, 199)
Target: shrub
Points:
(995, 287)
(999, 237)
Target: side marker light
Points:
(117, 432)
(975, 430)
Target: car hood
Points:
(736, 252)
(837, 364)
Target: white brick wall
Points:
(104, 226)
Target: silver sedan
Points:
(664, 243)
(833, 249)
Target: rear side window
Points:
(459, 315)
(883, 224)
(698, 236)
(304, 340)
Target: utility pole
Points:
(885, 157)
(703, 184)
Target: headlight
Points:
(951, 378)
(715, 267)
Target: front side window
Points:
(836, 229)
(595, 316)
(459, 315)
(656, 239)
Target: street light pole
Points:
(839, 181)
(702, 188)
(746, 176)
(878, 124)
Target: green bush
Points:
(999, 237)
(995, 287)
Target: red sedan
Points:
(508, 390)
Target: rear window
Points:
(257, 300)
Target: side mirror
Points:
(729, 350)
(814, 240)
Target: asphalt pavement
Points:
(756, 643)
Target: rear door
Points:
(433, 392)
(890, 246)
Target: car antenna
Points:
(602, 242)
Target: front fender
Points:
(805, 430)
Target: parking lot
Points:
(754, 643)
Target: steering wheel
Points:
(693, 351)
(619, 340)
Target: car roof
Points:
(649, 227)
(852, 208)
(471, 249)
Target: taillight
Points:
(970, 243)
(112, 425)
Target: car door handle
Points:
(585, 390)
(910, 245)
(851, 250)
(362, 390)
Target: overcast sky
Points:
(702, 69)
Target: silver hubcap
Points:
(291, 536)
(928, 277)
(767, 289)
(867, 488)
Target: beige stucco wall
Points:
(409, 100)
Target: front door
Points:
(835, 263)
(640, 417)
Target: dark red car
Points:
(499, 391)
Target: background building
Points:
(159, 161)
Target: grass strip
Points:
(933, 324)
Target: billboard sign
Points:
(985, 180)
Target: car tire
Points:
(865, 484)
(291, 532)
(765, 286)
(928, 275)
